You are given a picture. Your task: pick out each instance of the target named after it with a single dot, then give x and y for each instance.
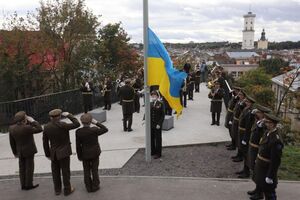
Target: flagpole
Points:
(146, 87)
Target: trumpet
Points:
(211, 84)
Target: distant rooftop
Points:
(241, 54)
(283, 80)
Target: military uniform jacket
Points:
(246, 121)
(157, 113)
(191, 82)
(22, 140)
(216, 100)
(237, 111)
(86, 91)
(268, 159)
(197, 77)
(107, 91)
(87, 145)
(127, 96)
(256, 133)
(229, 114)
(57, 133)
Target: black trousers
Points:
(107, 102)
(183, 99)
(87, 102)
(137, 103)
(244, 151)
(191, 94)
(127, 121)
(156, 143)
(213, 117)
(197, 87)
(59, 167)
(91, 176)
(26, 169)
(230, 134)
(270, 194)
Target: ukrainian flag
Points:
(162, 73)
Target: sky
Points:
(190, 20)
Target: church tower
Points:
(263, 42)
(248, 32)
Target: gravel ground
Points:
(204, 160)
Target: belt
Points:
(217, 100)
(242, 129)
(263, 159)
(229, 110)
(107, 90)
(127, 100)
(253, 145)
(87, 93)
(198, 76)
(236, 119)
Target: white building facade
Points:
(248, 32)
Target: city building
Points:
(238, 70)
(248, 32)
(243, 57)
(263, 42)
(290, 108)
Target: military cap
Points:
(272, 117)
(262, 108)
(86, 118)
(19, 116)
(55, 112)
(250, 99)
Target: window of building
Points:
(233, 74)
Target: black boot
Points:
(252, 192)
(257, 196)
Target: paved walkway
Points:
(193, 127)
(147, 188)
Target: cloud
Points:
(193, 20)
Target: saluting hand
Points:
(94, 121)
(65, 114)
(30, 119)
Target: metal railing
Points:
(39, 106)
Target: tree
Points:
(113, 51)
(257, 83)
(71, 31)
(273, 66)
(19, 43)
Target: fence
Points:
(39, 107)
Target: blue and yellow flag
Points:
(161, 72)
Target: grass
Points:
(290, 164)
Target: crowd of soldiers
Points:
(254, 136)
(252, 128)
